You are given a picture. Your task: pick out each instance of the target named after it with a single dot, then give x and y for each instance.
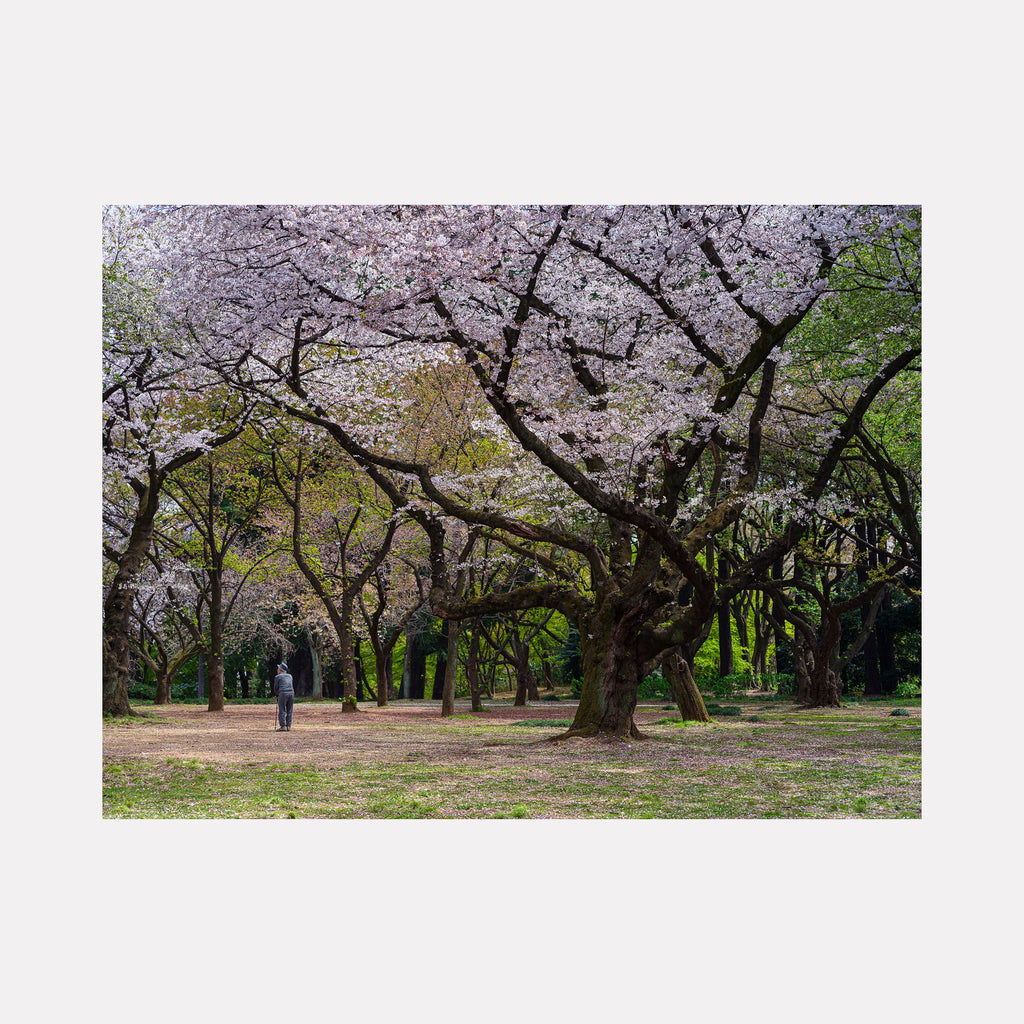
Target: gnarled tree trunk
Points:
(612, 670)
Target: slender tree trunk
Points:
(801, 668)
(318, 676)
(742, 631)
(872, 678)
(526, 684)
(169, 670)
(545, 669)
(215, 659)
(407, 665)
(473, 667)
(780, 635)
(440, 665)
(451, 671)
(348, 662)
(382, 663)
(886, 645)
(684, 689)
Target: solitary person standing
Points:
(285, 691)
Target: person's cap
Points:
(282, 667)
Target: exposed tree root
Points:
(592, 732)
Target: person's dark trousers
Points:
(285, 702)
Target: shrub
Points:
(901, 712)
(785, 684)
(723, 711)
(654, 686)
(909, 687)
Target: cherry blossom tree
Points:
(161, 410)
(624, 355)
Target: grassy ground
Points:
(771, 761)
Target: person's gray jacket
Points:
(283, 686)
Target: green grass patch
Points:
(847, 763)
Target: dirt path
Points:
(246, 733)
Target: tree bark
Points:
(118, 605)
(684, 689)
(867, 560)
(822, 685)
(526, 683)
(473, 667)
(382, 662)
(346, 641)
(440, 665)
(612, 671)
(215, 657)
(451, 671)
(318, 677)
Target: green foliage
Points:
(785, 684)
(724, 711)
(899, 713)
(568, 663)
(726, 686)
(654, 687)
(909, 687)
(516, 811)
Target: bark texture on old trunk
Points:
(684, 689)
(612, 671)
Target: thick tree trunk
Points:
(612, 671)
(684, 689)
(822, 684)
